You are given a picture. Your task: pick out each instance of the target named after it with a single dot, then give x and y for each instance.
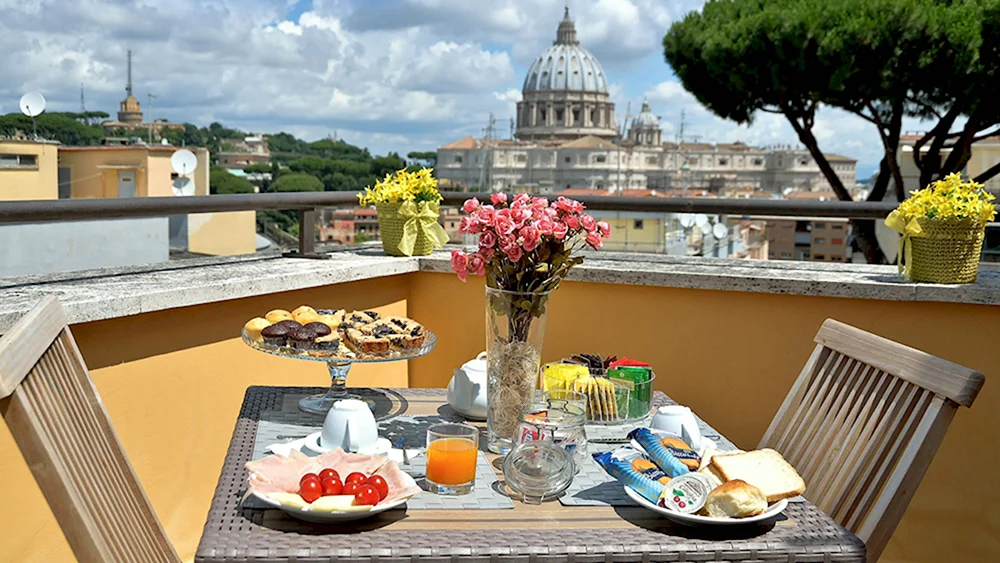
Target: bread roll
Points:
(735, 499)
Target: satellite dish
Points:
(687, 221)
(184, 162)
(701, 220)
(720, 231)
(165, 142)
(32, 104)
(183, 186)
(706, 229)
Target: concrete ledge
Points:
(111, 293)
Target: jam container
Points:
(685, 494)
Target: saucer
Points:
(382, 446)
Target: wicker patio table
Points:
(544, 533)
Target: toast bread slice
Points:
(765, 469)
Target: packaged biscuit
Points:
(622, 470)
(641, 463)
(681, 451)
(662, 457)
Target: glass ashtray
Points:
(538, 471)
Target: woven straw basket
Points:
(390, 225)
(946, 252)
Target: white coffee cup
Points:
(350, 425)
(676, 419)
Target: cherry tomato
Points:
(310, 490)
(350, 488)
(366, 495)
(309, 477)
(356, 478)
(332, 487)
(329, 474)
(380, 485)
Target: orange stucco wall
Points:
(173, 382)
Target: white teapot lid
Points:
(478, 364)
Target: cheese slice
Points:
(289, 499)
(337, 503)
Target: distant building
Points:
(567, 137)
(240, 153)
(130, 113)
(816, 240)
(28, 170)
(985, 155)
(343, 226)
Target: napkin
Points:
(285, 449)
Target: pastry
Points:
(402, 333)
(278, 315)
(365, 343)
(319, 328)
(254, 326)
(332, 320)
(358, 319)
(302, 339)
(328, 342)
(307, 317)
(302, 310)
(275, 335)
(290, 324)
(735, 499)
(765, 469)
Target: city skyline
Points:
(389, 75)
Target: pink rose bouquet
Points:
(527, 245)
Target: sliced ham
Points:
(276, 473)
(401, 485)
(347, 463)
(280, 474)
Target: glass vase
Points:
(515, 328)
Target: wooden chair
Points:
(862, 423)
(58, 420)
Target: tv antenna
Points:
(150, 98)
(183, 162)
(33, 104)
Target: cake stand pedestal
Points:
(339, 364)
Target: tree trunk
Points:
(864, 229)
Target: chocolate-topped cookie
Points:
(275, 334)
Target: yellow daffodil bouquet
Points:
(942, 230)
(408, 205)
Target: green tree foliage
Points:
(427, 158)
(383, 165)
(339, 182)
(882, 60)
(297, 183)
(57, 126)
(259, 168)
(221, 181)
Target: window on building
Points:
(568, 159)
(836, 258)
(559, 116)
(576, 116)
(600, 158)
(836, 241)
(758, 161)
(541, 114)
(786, 255)
(819, 225)
(458, 159)
(819, 240)
(693, 161)
(18, 160)
(723, 161)
(650, 160)
(520, 158)
(819, 257)
(637, 225)
(593, 117)
(804, 161)
(837, 227)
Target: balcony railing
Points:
(307, 204)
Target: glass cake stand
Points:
(339, 363)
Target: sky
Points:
(391, 75)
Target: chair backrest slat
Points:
(58, 420)
(862, 422)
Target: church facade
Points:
(566, 136)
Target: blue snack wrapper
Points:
(659, 454)
(622, 470)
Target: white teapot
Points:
(467, 389)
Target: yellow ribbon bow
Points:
(904, 259)
(422, 217)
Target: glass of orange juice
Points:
(452, 451)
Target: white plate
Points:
(695, 520)
(382, 445)
(321, 517)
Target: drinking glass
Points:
(558, 417)
(452, 452)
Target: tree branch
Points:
(987, 174)
(890, 141)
